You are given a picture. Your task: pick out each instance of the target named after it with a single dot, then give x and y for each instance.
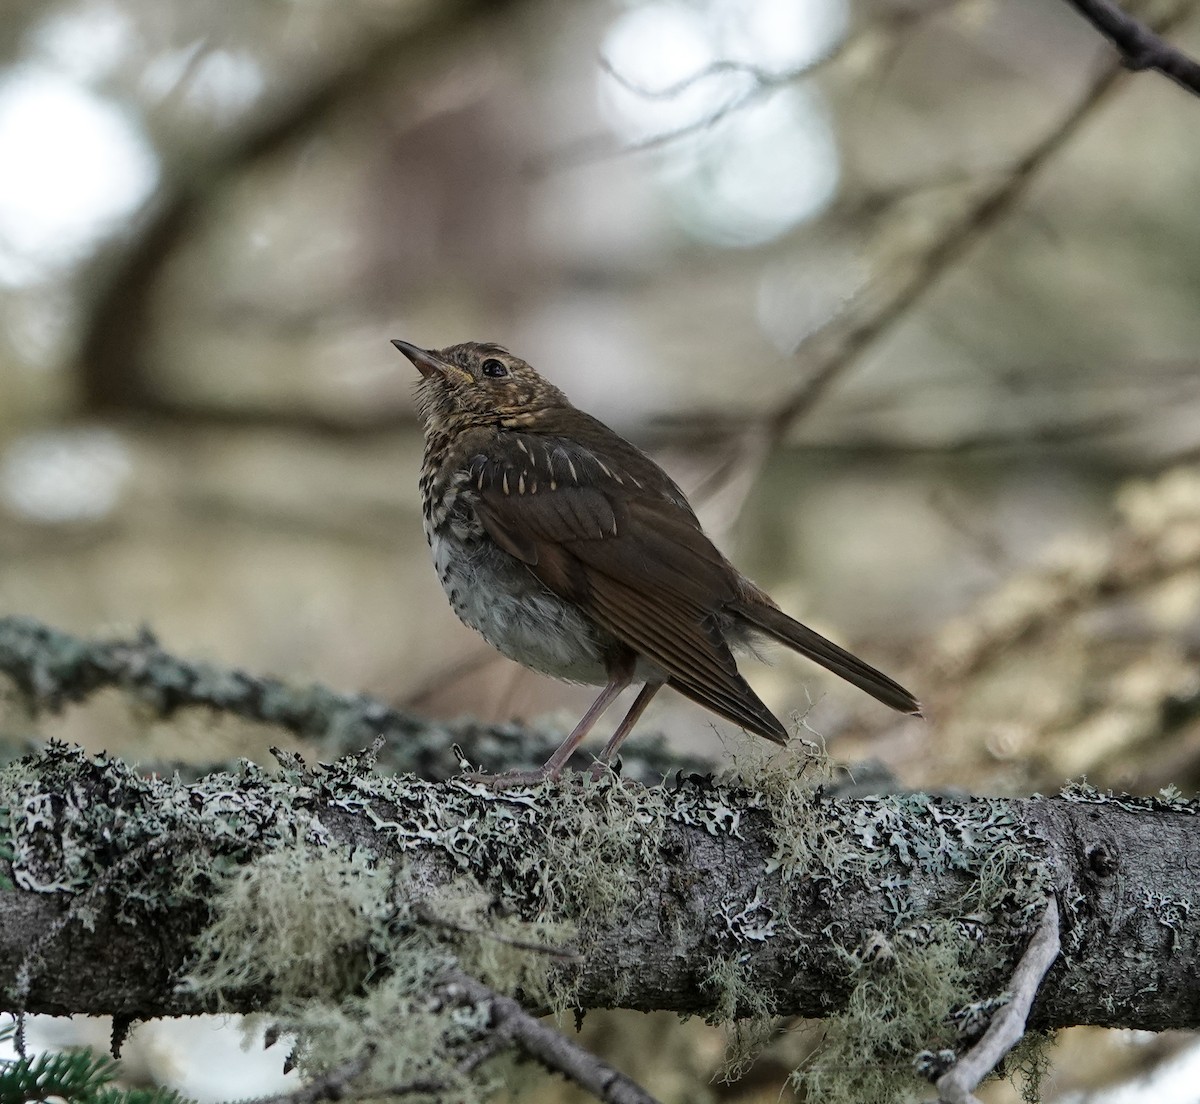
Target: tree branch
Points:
(760, 82)
(1140, 47)
(52, 669)
(551, 1048)
(837, 347)
(298, 892)
(676, 881)
(834, 349)
(1008, 1024)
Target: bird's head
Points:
(475, 383)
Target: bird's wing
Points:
(619, 541)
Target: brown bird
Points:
(572, 552)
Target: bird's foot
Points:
(602, 769)
(507, 780)
(520, 779)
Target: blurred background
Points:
(903, 292)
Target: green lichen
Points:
(746, 1011)
(349, 944)
(911, 986)
(296, 922)
(353, 959)
(1168, 799)
(1170, 912)
(905, 988)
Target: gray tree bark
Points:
(387, 921)
(111, 874)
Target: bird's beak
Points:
(427, 364)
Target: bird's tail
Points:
(775, 623)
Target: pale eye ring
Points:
(494, 368)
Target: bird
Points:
(572, 552)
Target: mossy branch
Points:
(698, 898)
(53, 669)
(340, 900)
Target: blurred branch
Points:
(761, 82)
(112, 369)
(51, 669)
(1083, 664)
(1140, 46)
(701, 428)
(837, 347)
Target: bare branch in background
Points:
(53, 669)
(836, 348)
(760, 82)
(849, 342)
(1141, 46)
(112, 371)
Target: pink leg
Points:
(617, 682)
(553, 766)
(626, 726)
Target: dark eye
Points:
(494, 368)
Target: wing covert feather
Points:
(630, 552)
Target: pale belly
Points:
(497, 596)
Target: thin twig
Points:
(947, 250)
(1008, 1024)
(717, 68)
(763, 82)
(498, 1039)
(549, 1047)
(335, 1084)
(1140, 46)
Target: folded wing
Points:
(621, 543)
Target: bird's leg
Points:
(618, 679)
(626, 726)
(617, 682)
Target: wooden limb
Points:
(52, 669)
(549, 1047)
(1140, 46)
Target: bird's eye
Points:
(494, 368)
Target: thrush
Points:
(572, 552)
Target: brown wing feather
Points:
(630, 555)
(697, 662)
